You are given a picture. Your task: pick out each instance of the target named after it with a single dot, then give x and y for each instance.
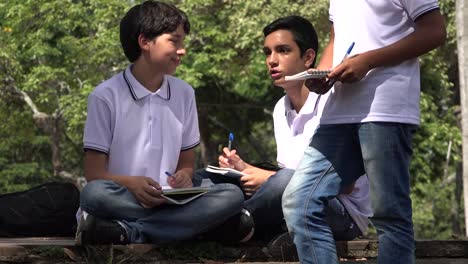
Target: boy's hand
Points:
(256, 177)
(146, 190)
(181, 179)
(348, 189)
(318, 86)
(230, 159)
(351, 70)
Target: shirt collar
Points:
(308, 107)
(138, 91)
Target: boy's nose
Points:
(181, 52)
(272, 60)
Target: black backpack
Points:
(46, 210)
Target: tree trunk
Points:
(456, 208)
(462, 46)
(50, 124)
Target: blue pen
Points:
(168, 174)
(332, 82)
(231, 138)
(348, 52)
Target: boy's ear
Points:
(143, 42)
(309, 56)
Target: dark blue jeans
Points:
(336, 157)
(165, 223)
(265, 206)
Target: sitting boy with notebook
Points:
(290, 47)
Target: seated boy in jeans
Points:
(142, 123)
(290, 47)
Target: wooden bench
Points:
(19, 250)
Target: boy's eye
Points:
(266, 52)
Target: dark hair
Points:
(302, 30)
(151, 18)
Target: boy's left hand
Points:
(254, 179)
(318, 85)
(180, 179)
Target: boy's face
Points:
(283, 57)
(165, 51)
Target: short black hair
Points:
(303, 32)
(151, 18)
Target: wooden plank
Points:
(442, 248)
(8, 251)
(424, 248)
(357, 248)
(37, 241)
(346, 249)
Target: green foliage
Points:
(56, 52)
(433, 201)
(225, 64)
(20, 166)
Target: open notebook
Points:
(225, 171)
(183, 195)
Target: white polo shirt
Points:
(385, 94)
(142, 132)
(293, 132)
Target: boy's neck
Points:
(297, 96)
(150, 79)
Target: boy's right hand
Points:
(146, 190)
(230, 159)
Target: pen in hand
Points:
(231, 138)
(170, 177)
(332, 82)
(348, 51)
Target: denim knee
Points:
(229, 194)
(277, 182)
(93, 193)
(291, 210)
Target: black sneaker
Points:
(238, 228)
(246, 227)
(282, 247)
(95, 231)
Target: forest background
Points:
(54, 52)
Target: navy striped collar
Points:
(138, 91)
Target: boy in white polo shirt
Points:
(290, 47)
(141, 124)
(366, 125)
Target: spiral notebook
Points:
(308, 75)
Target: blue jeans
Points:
(165, 223)
(336, 157)
(265, 206)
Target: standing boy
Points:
(367, 124)
(141, 124)
(290, 47)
